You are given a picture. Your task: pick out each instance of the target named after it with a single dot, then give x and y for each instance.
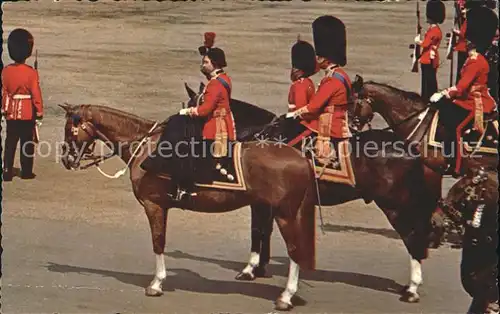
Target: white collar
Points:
(215, 73)
(331, 68)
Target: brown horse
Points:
(473, 203)
(395, 181)
(411, 118)
(278, 177)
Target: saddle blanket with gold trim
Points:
(485, 143)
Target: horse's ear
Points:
(191, 93)
(358, 83)
(202, 87)
(67, 107)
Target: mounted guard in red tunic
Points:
(326, 112)
(303, 66)
(212, 132)
(470, 99)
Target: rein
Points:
(88, 153)
(413, 115)
(121, 172)
(418, 112)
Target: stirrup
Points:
(180, 194)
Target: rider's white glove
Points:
(417, 39)
(184, 111)
(297, 113)
(436, 97)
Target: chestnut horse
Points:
(395, 182)
(278, 177)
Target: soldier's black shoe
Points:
(7, 176)
(28, 176)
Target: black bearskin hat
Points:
(482, 24)
(330, 39)
(217, 56)
(304, 57)
(436, 11)
(20, 44)
(492, 4)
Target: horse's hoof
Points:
(279, 305)
(245, 276)
(260, 272)
(410, 297)
(150, 292)
(404, 289)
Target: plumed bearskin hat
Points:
(436, 11)
(217, 56)
(20, 44)
(207, 44)
(482, 24)
(330, 39)
(304, 57)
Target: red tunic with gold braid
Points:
(430, 45)
(471, 92)
(21, 92)
(331, 97)
(215, 106)
(300, 93)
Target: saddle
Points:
(182, 153)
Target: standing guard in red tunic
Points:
(461, 44)
(429, 59)
(326, 113)
(21, 104)
(470, 98)
(303, 66)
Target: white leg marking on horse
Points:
(161, 272)
(292, 283)
(252, 263)
(416, 276)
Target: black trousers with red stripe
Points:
(453, 118)
(461, 58)
(19, 130)
(429, 81)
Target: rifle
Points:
(416, 48)
(452, 39)
(36, 134)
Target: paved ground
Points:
(76, 242)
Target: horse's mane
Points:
(402, 94)
(104, 115)
(251, 113)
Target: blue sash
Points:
(226, 85)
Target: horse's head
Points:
(479, 187)
(362, 112)
(194, 98)
(80, 135)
